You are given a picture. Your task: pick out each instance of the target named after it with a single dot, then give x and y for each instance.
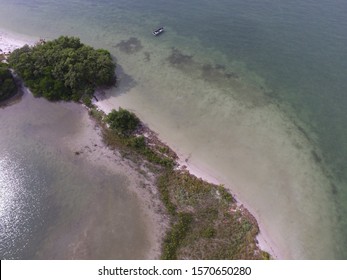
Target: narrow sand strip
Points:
(197, 169)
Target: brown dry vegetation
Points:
(215, 227)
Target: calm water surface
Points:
(53, 204)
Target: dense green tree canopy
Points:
(7, 84)
(122, 121)
(63, 69)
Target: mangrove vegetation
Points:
(63, 69)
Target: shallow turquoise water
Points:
(294, 50)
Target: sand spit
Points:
(196, 169)
(141, 185)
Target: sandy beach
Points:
(142, 185)
(10, 41)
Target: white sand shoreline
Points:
(264, 241)
(10, 41)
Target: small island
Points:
(63, 69)
(206, 222)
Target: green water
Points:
(254, 92)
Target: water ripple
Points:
(19, 205)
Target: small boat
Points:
(158, 31)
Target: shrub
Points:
(176, 235)
(208, 232)
(122, 121)
(138, 142)
(86, 99)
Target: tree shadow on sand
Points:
(125, 82)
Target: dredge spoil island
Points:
(200, 220)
